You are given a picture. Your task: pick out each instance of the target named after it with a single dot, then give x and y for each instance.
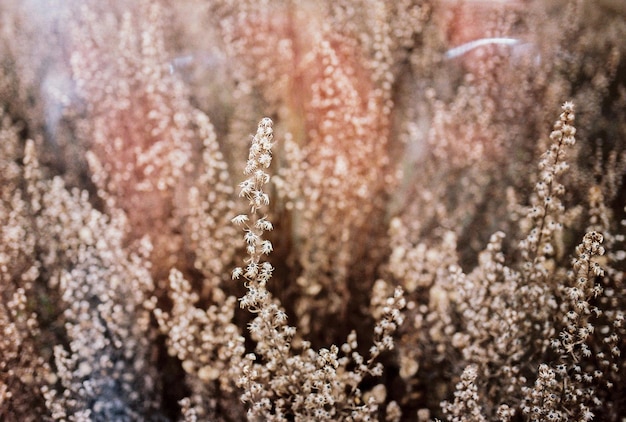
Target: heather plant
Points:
(274, 388)
(414, 238)
(104, 372)
(24, 369)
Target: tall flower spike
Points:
(254, 226)
(546, 211)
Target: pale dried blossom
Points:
(407, 253)
(306, 384)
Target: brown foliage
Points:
(419, 232)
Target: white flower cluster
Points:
(260, 158)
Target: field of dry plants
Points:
(320, 210)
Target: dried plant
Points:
(411, 241)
